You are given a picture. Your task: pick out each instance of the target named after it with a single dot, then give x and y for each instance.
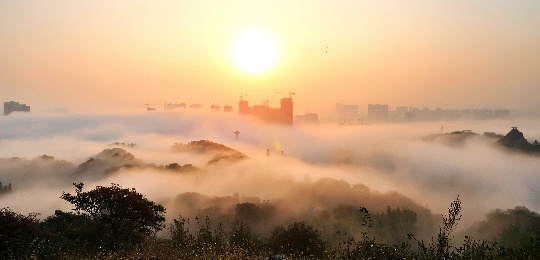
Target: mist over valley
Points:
(191, 164)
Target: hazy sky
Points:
(117, 55)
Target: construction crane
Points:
(241, 97)
(290, 93)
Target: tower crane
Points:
(290, 93)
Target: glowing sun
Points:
(254, 52)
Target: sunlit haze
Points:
(254, 52)
(270, 114)
(118, 55)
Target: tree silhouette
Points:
(17, 234)
(298, 239)
(123, 212)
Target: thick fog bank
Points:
(380, 157)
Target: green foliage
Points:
(298, 239)
(354, 221)
(241, 236)
(19, 234)
(203, 240)
(90, 233)
(441, 248)
(472, 249)
(369, 249)
(120, 214)
(5, 189)
(70, 233)
(393, 225)
(510, 228)
(180, 232)
(251, 213)
(248, 212)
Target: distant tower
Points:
(236, 133)
(377, 111)
(13, 106)
(287, 110)
(243, 108)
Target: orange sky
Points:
(97, 56)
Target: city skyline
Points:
(116, 56)
(356, 123)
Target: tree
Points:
(121, 213)
(241, 236)
(394, 225)
(19, 234)
(248, 213)
(298, 239)
(70, 235)
(441, 248)
(512, 228)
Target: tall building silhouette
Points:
(243, 108)
(13, 106)
(376, 111)
(282, 115)
(287, 110)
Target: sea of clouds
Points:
(384, 157)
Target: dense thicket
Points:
(119, 223)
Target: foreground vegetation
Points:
(119, 223)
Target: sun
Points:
(254, 52)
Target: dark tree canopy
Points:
(123, 210)
(17, 232)
(298, 239)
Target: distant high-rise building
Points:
(196, 106)
(13, 106)
(175, 105)
(482, 113)
(282, 115)
(287, 110)
(307, 118)
(411, 115)
(214, 107)
(227, 108)
(501, 113)
(243, 108)
(401, 110)
(376, 111)
(414, 109)
(347, 111)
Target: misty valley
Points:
(113, 188)
(270, 130)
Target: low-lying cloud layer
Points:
(322, 167)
